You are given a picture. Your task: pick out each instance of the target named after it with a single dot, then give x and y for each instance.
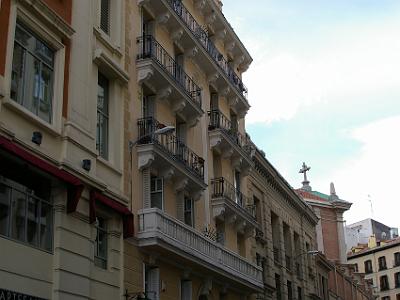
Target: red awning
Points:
(127, 215)
(75, 186)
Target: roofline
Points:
(375, 249)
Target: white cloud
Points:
(375, 172)
(349, 61)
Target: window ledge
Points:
(110, 67)
(18, 108)
(106, 41)
(50, 16)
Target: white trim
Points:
(55, 41)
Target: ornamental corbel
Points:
(145, 159)
(144, 74)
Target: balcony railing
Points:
(150, 48)
(153, 223)
(217, 120)
(201, 35)
(222, 188)
(169, 143)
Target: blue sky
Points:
(325, 89)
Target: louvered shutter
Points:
(186, 290)
(154, 284)
(180, 206)
(146, 188)
(105, 16)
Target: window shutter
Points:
(186, 290)
(154, 284)
(146, 188)
(180, 206)
(105, 16)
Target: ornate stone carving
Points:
(233, 101)
(225, 91)
(218, 211)
(144, 74)
(210, 19)
(231, 219)
(212, 78)
(181, 184)
(227, 153)
(164, 94)
(229, 46)
(179, 105)
(167, 173)
(162, 19)
(145, 159)
(176, 35)
(221, 34)
(200, 4)
(241, 225)
(197, 195)
(193, 121)
(215, 141)
(237, 162)
(192, 52)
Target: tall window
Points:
(382, 263)
(368, 266)
(397, 279)
(102, 116)
(32, 73)
(156, 192)
(26, 211)
(186, 290)
(220, 228)
(289, 290)
(188, 211)
(278, 287)
(152, 282)
(397, 259)
(384, 283)
(299, 293)
(100, 251)
(105, 16)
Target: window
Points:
(26, 210)
(397, 259)
(386, 298)
(356, 268)
(397, 280)
(368, 266)
(156, 192)
(289, 290)
(384, 283)
(32, 73)
(220, 230)
(278, 287)
(100, 254)
(397, 296)
(102, 116)
(188, 211)
(382, 263)
(299, 293)
(186, 290)
(152, 282)
(105, 16)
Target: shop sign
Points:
(11, 295)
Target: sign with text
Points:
(11, 295)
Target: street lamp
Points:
(310, 252)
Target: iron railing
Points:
(217, 120)
(223, 188)
(170, 144)
(149, 48)
(201, 35)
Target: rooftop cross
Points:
(304, 170)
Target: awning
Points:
(75, 185)
(126, 214)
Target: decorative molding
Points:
(230, 46)
(227, 153)
(192, 52)
(178, 105)
(177, 35)
(218, 211)
(225, 91)
(144, 74)
(167, 173)
(236, 162)
(192, 122)
(240, 225)
(109, 66)
(46, 13)
(221, 34)
(210, 19)
(197, 195)
(233, 101)
(215, 141)
(145, 159)
(200, 4)
(212, 78)
(231, 219)
(142, 2)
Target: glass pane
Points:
(44, 52)
(5, 195)
(32, 221)
(18, 215)
(45, 94)
(31, 83)
(24, 37)
(46, 225)
(17, 74)
(156, 200)
(102, 244)
(102, 135)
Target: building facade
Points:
(381, 266)
(63, 204)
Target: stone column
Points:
(341, 238)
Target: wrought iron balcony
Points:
(171, 145)
(188, 246)
(230, 204)
(202, 36)
(167, 78)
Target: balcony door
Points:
(236, 183)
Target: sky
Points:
(324, 88)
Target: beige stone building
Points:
(381, 265)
